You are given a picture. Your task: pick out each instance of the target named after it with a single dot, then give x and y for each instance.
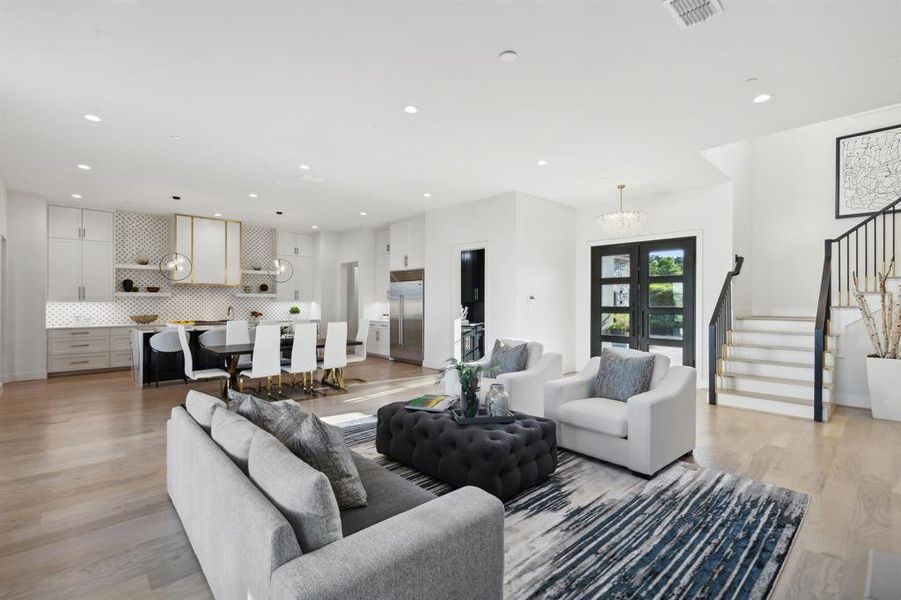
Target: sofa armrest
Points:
(662, 421)
(451, 547)
(526, 388)
(574, 387)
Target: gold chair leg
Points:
(241, 385)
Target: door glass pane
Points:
(674, 353)
(666, 262)
(665, 295)
(615, 265)
(614, 345)
(668, 327)
(615, 294)
(615, 324)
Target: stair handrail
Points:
(824, 301)
(716, 330)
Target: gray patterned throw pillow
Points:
(322, 446)
(507, 359)
(261, 413)
(620, 378)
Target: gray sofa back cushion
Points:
(620, 377)
(302, 494)
(233, 433)
(201, 407)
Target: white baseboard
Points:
(853, 400)
(25, 376)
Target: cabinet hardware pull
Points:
(79, 345)
(79, 332)
(79, 362)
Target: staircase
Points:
(767, 364)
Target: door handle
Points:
(406, 260)
(400, 332)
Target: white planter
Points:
(884, 381)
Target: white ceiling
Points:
(604, 91)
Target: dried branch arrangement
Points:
(886, 334)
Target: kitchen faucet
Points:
(230, 314)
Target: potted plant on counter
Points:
(884, 365)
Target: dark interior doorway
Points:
(472, 300)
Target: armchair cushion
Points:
(506, 358)
(621, 377)
(602, 415)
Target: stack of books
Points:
(432, 403)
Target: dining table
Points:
(233, 352)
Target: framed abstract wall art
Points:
(867, 171)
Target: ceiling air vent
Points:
(689, 13)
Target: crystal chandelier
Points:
(622, 221)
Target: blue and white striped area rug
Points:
(593, 530)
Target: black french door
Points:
(643, 297)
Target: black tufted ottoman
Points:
(501, 459)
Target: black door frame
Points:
(638, 308)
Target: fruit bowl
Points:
(144, 319)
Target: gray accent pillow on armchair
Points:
(322, 446)
(507, 359)
(620, 378)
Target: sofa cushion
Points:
(620, 377)
(602, 415)
(201, 407)
(507, 359)
(233, 433)
(388, 495)
(322, 446)
(300, 492)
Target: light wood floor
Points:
(84, 512)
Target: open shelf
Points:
(254, 272)
(137, 267)
(143, 294)
(257, 295)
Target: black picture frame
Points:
(839, 174)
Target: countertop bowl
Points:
(144, 319)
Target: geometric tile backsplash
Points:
(139, 234)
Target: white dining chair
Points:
(335, 355)
(238, 332)
(265, 361)
(202, 374)
(359, 350)
(303, 356)
(164, 342)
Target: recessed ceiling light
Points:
(93, 118)
(84, 167)
(508, 56)
(176, 197)
(252, 195)
(541, 162)
(278, 212)
(761, 98)
(76, 196)
(410, 109)
(217, 214)
(362, 214)
(304, 167)
(315, 227)
(427, 195)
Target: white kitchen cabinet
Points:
(407, 240)
(96, 271)
(300, 287)
(212, 245)
(382, 277)
(297, 244)
(79, 255)
(382, 242)
(379, 342)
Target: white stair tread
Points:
(771, 397)
(782, 332)
(775, 318)
(767, 379)
(769, 347)
(775, 363)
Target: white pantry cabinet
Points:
(79, 255)
(300, 287)
(212, 245)
(407, 243)
(382, 242)
(382, 277)
(379, 342)
(297, 244)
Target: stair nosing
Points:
(771, 332)
(775, 363)
(768, 379)
(771, 397)
(777, 318)
(765, 347)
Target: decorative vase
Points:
(497, 400)
(264, 287)
(127, 284)
(884, 381)
(469, 397)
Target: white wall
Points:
(3, 230)
(335, 249)
(785, 208)
(25, 336)
(704, 212)
(545, 270)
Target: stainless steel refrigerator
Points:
(406, 296)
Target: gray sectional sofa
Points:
(265, 525)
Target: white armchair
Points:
(526, 388)
(643, 434)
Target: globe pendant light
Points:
(622, 221)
